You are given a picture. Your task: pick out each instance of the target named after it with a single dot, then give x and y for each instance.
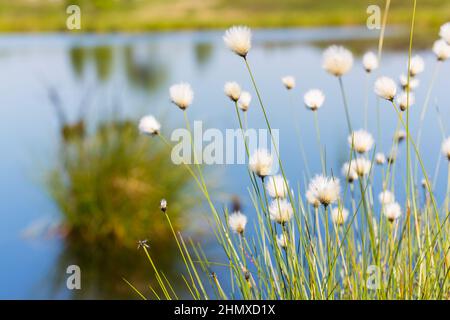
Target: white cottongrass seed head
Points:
(337, 60)
(239, 40)
(237, 222)
(149, 125)
(261, 162)
(312, 199)
(361, 166)
(314, 99)
(277, 187)
(392, 156)
(417, 66)
(392, 211)
(370, 61)
(441, 49)
(289, 82)
(380, 158)
(163, 205)
(444, 32)
(423, 182)
(339, 216)
(280, 211)
(386, 197)
(325, 189)
(399, 135)
(361, 140)
(282, 240)
(232, 90)
(349, 172)
(244, 100)
(403, 101)
(446, 148)
(181, 94)
(385, 88)
(413, 82)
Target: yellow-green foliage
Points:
(141, 15)
(109, 184)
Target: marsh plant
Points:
(107, 191)
(333, 238)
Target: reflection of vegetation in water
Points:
(143, 69)
(104, 265)
(78, 57)
(109, 185)
(103, 58)
(203, 53)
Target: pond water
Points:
(130, 75)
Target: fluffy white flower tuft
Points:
(337, 60)
(163, 205)
(339, 216)
(444, 32)
(280, 211)
(399, 135)
(261, 162)
(392, 157)
(325, 189)
(314, 99)
(312, 199)
(413, 82)
(149, 125)
(441, 49)
(289, 82)
(232, 90)
(361, 141)
(386, 197)
(361, 166)
(237, 222)
(446, 148)
(380, 158)
(370, 62)
(244, 100)
(385, 88)
(181, 95)
(282, 241)
(392, 211)
(276, 187)
(417, 66)
(402, 100)
(238, 39)
(349, 172)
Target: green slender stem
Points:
(344, 99)
(319, 144)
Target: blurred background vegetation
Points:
(143, 15)
(108, 185)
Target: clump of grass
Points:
(108, 185)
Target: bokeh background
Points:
(78, 185)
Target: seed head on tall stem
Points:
(370, 62)
(238, 39)
(289, 82)
(148, 125)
